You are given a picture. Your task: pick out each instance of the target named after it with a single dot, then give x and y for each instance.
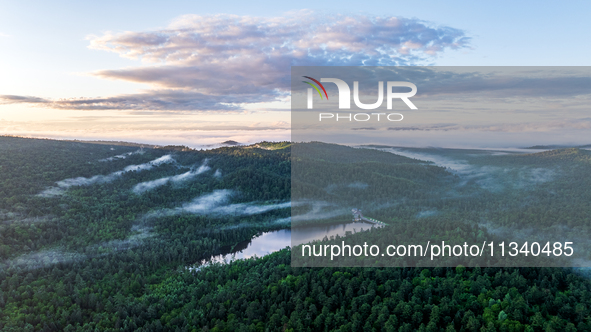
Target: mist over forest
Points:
(113, 237)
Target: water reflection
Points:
(306, 234)
(273, 241)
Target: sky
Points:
(199, 73)
(466, 106)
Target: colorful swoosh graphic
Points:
(319, 84)
(314, 86)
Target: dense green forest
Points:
(98, 237)
(469, 196)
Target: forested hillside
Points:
(100, 237)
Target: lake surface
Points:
(270, 242)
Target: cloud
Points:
(40, 259)
(574, 124)
(518, 82)
(11, 99)
(493, 178)
(443, 82)
(222, 62)
(301, 38)
(318, 210)
(121, 156)
(248, 208)
(49, 257)
(156, 162)
(217, 203)
(426, 213)
(150, 185)
(221, 54)
(63, 185)
(152, 100)
(196, 138)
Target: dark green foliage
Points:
(109, 266)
